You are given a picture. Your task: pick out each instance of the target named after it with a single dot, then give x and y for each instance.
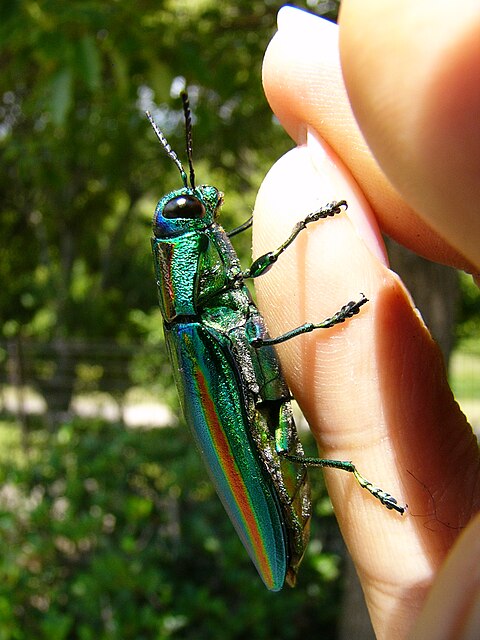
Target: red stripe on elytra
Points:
(233, 475)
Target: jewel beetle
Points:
(229, 379)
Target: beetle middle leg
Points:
(347, 311)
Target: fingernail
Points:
(344, 187)
(297, 20)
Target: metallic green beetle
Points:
(231, 388)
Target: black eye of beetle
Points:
(184, 207)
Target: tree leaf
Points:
(61, 95)
(88, 61)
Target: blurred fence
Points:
(64, 377)
(96, 378)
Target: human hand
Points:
(374, 390)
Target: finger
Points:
(373, 390)
(303, 83)
(411, 70)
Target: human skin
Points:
(374, 390)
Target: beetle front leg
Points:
(263, 263)
(243, 227)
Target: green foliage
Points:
(114, 534)
(83, 169)
(468, 327)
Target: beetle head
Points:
(189, 208)
(186, 210)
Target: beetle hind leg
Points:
(385, 498)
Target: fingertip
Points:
(411, 75)
(304, 85)
(326, 163)
(332, 260)
(305, 179)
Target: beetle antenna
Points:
(188, 135)
(171, 153)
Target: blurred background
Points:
(109, 527)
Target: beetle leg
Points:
(347, 311)
(243, 227)
(263, 263)
(385, 498)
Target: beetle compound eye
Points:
(184, 207)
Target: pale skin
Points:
(374, 390)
